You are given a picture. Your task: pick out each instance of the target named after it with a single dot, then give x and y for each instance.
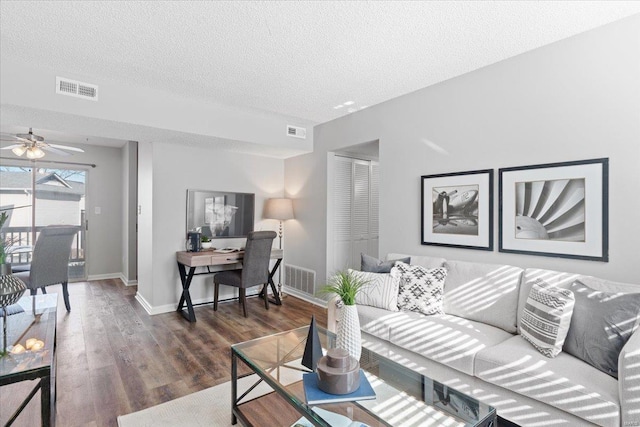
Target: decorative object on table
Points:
(457, 209)
(205, 242)
(556, 209)
(194, 243)
(338, 372)
(11, 290)
(313, 349)
(453, 401)
(282, 210)
(346, 286)
(315, 396)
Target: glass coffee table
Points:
(31, 332)
(403, 396)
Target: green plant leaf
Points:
(345, 285)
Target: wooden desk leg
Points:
(186, 296)
(276, 296)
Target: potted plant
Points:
(346, 285)
(5, 244)
(206, 242)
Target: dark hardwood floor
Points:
(113, 358)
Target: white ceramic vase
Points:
(348, 336)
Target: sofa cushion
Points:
(374, 265)
(602, 324)
(443, 338)
(487, 293)
(564, 280)
(380, 289)
(564, 382)
(420, 288)
(546, 317)
(423, 261)
(378, 321)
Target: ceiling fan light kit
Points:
(19, 150)
(34, 153)
(34, 146)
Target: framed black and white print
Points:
(556, 209)
(457, 209)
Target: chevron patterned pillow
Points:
(420, 288)
(546, 317)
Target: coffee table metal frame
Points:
(289, 347)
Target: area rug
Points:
(210, 407)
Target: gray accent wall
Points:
(575, 99)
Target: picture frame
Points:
(556, 209)
(457, 209)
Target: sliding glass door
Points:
(37, 198)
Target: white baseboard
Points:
(105, 276)
(143, 302)
(304, 296)
(127, 282)
(168, 308)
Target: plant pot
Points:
(206, 245)
(348, 334)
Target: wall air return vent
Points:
(75, 88)
(296, 132)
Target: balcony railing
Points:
(21, 248)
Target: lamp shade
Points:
(281, 209)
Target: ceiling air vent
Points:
(75, 88)
(296, 132)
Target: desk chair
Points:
(50, 261)
(254, 271)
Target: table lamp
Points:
(282, 210)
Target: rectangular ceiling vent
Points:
(296, 132)
(75, 88)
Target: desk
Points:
(38, 320)
(209, 258)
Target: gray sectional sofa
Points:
(476, 347)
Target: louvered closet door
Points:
(361, 219)
(355, 214)
(375, 207)
(342, 204)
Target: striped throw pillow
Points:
(381, 289)
(546, 317)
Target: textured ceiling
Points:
(295, 58)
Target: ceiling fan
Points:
(34, 145)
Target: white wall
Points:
(576, 99)
(165, 173)
(145, 223)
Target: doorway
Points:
(353, 204)
(37, 196)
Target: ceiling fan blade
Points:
(54, 150)
(66, 147)
(9, 147)
(12, 138)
